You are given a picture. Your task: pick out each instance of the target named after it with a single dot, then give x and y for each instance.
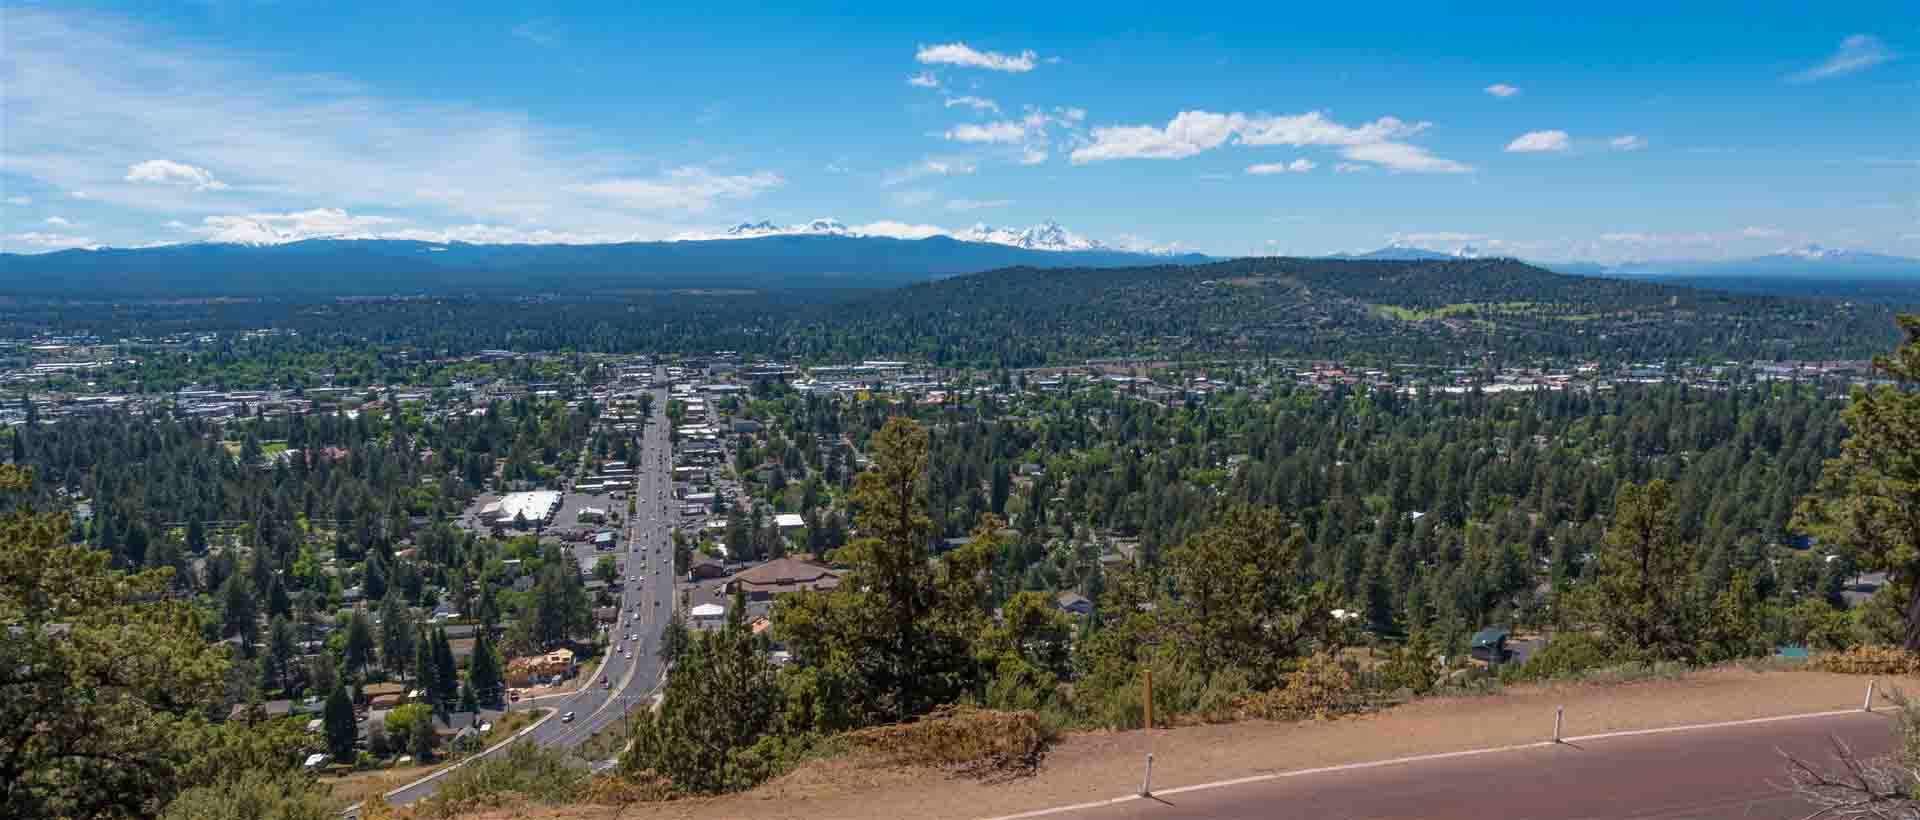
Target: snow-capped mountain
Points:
(1398, 251)
(748, 230)
(1046, 236)
(1811, 251)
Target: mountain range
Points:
(823, 253)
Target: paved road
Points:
(1732, 771)
(644, 608)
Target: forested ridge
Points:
(1435, 310)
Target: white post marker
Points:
(1146, 786)
(1868, 706)
(1559, 714)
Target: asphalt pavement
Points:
(645, 607)
(1721, 772)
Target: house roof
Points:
(786, 575)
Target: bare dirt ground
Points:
(1100, 765)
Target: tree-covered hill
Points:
(1331, 307)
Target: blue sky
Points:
(1634, 131)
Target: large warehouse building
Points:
(536, 507)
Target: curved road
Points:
(1733, 770)
(645, 606)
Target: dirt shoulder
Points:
(1100, 765)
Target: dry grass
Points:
(972, 742)
(1869, 660)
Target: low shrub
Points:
(1323, 687)
(966, 740)
(1869, 660)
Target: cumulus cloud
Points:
(58, 221)
(1032, 156)
(1856, 53)
(961, 54)
(924, 79)
(1351, 167)
(1502, 90)
(1627, 142)
(993, 132)
(900, 230)
(1761, 232)
(274, 228)
(19, 200)
(976, 103)
(1400, 156)
(1193, 132)
(168, 172)
(1298, 166)
(1538, 141)
(689, 188)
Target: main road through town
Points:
(632, 668)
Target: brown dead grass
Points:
(1100, 765)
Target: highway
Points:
(1727, 771)
(645, 606)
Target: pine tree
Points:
(359, 648)
(342, 730)
(446, 676)
(483, 671)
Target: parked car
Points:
(566, 718)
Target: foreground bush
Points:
(966, 740)
(1323, 687)
(524, 772)
(1869, 660)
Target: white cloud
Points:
(1298, 166)
(1400, 156)
(975, 103)
(1502, 90)
(273, 228)
(961, 54)
(976, 204)
(690, 189)
(19, 200)
(1187, 134)
(1858, 52)
(88, 95)
(1192, 132)
(1032, 156)
(1623, 237)
(924, 79)
(58, 221)
(993, 132)
(1351, 167)
(900, 230)
(79, 194)
(1761, 232)
(1538, 141)
(1627, 142)
(168, 172)
(51, 241)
